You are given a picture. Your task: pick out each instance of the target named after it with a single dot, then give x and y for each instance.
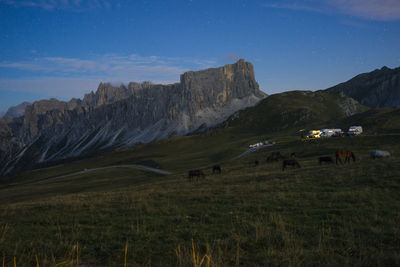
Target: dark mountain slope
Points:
(293, 110)
(379, 88)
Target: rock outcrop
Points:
(119, 117)
(379, 88)
(17, 111)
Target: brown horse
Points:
(196, 174)
(346, 154)
(290, 162)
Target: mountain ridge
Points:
(375, 89)
(120, 117)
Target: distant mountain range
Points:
(379, 88)
(120, 117)
(229, 96)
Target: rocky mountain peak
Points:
(222, 84)
(17, 111)
(42, 106)
(105, 94)
(120, 116)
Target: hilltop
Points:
(294, 110)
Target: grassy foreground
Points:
(248, 216)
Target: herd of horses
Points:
(345, 155)
(341, 156)
(197, 174)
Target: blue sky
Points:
(64, 48)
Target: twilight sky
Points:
(64, 48)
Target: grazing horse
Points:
(376, 154)
(346, 154)
(290, 162)
(196, 174)
(325, 159)
(216, 168)
(275, 156)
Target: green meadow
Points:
(331, 215)
(316, 215)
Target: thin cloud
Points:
(295, 6)
(72, 77)
(354, 23)
(73, 5)
(23, 66)
(64, 88)
(111, 65)
(385, 10)
(382, 10)
(230, 58)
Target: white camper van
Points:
(355, 130)
(329, 132)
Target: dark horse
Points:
(216, 168)
(346, 154)
(254, 163)
(275, 156)
(290, 162)
(325, 159)
(196, 174)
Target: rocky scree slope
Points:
(120, 117)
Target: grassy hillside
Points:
(251, 216)
(342, 215)
(376, 121)
(291, 111)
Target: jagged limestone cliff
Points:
(118, 117)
